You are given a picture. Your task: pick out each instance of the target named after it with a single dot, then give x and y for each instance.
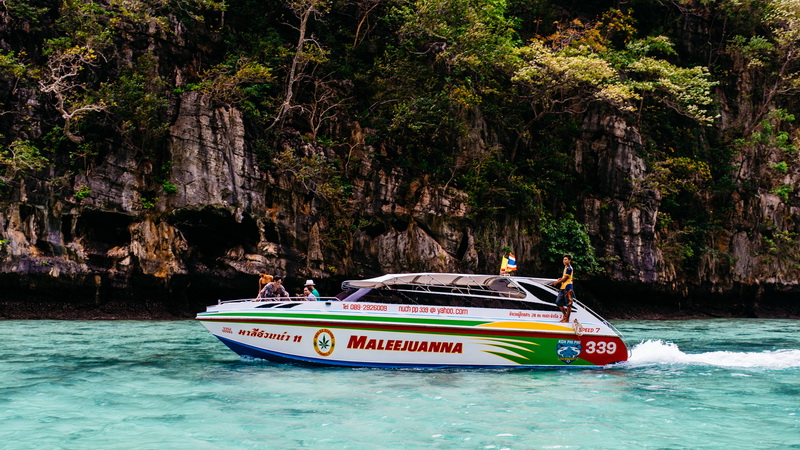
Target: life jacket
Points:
(567, 284)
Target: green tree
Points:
(571, 70)
(308, 52)
(471, 36)
(19, 159)
(137, 100)
(228, 83)
(771, 53)
(11, 66)
(564, 235)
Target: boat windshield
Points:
(457, 284)
(540, 292)
(352, 295)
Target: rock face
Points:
(111, 255)
(622, 216)
(210, 165)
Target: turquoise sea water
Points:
(171, 385)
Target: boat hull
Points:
(370, 342)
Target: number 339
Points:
(601, 347)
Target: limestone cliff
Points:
(105, 255)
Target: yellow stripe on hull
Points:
(527, 326)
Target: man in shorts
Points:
(565, 293)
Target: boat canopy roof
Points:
(469, 281)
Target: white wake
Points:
(657, 352)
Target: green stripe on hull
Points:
(525, 353)
(403, 320)
(522, 351)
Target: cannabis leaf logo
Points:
(323, 343)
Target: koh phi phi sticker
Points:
(324, 342)
(568, 350)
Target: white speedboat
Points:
(421, 320)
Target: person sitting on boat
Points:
(278, 289)
(273, 289)
(564, 285)
(310, 285)
(308, 295)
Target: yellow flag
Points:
(503, 266)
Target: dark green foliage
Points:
(82, 192)
(28, 11)
(565, 235)
(138, 101)
(11, 66)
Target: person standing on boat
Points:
(309, 295)
(263, 280)
(564, 285)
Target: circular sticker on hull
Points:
(324, 342)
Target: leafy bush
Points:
(19, 159)
(168, 187)
(149, 202)
(233, 82)
(82, 192)
(781, 167)
(783, 192)
(566, 235)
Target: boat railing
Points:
(277, 299)
(607, 323)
